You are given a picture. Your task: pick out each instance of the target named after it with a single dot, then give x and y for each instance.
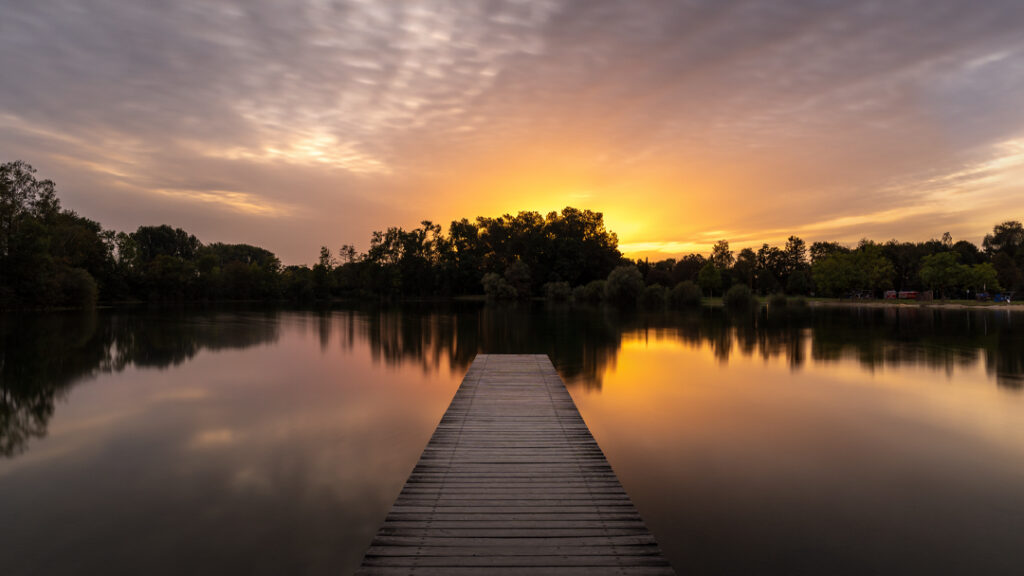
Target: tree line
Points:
(50, 256)
(948, 269)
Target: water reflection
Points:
(42, 355)
(823, 442)
(45, 354)
(202, 443)
(583, 342)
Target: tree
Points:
(906, 260)
(624, 286)
(322, 278)
(153, 241)
(518, 277)
(874, 271)
(833, 274)
(745, 269)
(709, 279)
(771, 268)
(168, 278)
(821, 250)
(721, 255)
(238, 271)
(465, 258)
(941, 272)
(22, 195)
(796, 254)
(660, 273)
(297, 283)
(1005, 245)
(982, 278)
(497, 288)
(685, 294)
(969, 253)
(347, 254)
(48, 256)
(557, 291)
(863, 269)
(688, 267)
(1007, 271)
(577, 247)
(739, 297)
(1005, 237)
(653, 297)
(799, 283)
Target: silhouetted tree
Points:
(687, 268)
(821, 250)
(50, 256)
(740, 297)
(1005, 237)
(771, 267)
(653, 297)
(744, 271)
(721, 255)
(709, 279)
(685, 294)
(624, 286)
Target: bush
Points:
(557, 291)
(799, 283)
(592, 293)
(495, 287)
(777, 300)
(653, 297)
(624, 286)
(517, 275)
(76, 287)
(579, 294)
(685, 294)
(739, 297)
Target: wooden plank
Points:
(512, 482)
(491, 560)
(517, 571)
(451, 551)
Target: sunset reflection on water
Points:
(751, 464)
(818, 440)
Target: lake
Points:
(824, 440)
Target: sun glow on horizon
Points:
(349, 117)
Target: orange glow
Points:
(681, 137)
(663, 390)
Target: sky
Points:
(291, 125)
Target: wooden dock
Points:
(512, 482)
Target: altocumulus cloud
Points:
(293, 124)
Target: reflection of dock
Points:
(512, 482)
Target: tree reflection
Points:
(583, 342)
(43, 356)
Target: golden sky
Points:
(294, 125)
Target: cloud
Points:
(337, 117)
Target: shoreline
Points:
(947, 305)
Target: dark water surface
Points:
(820, 441)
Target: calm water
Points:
(823, 441)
